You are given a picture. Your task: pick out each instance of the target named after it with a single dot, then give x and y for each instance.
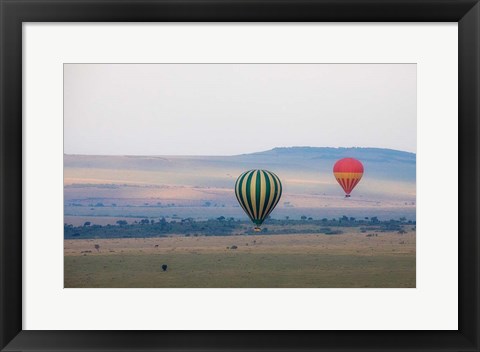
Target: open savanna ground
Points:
(352, 259)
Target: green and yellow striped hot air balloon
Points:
(258, 192)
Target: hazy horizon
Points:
(203, 187)
(260, 151)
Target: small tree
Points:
(87, 223)
(97, 247)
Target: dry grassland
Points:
(348, 260)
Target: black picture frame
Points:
(14, 12)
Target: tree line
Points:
(223, 226)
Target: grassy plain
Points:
(351, 259)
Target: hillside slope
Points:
(200, 181)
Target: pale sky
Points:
(229, 109)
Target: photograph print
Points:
(240, 175)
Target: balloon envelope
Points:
(258, 192)
(348, 172)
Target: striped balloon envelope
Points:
(258, 192)
(348, 172)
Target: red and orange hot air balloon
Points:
(348, 172)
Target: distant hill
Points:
(393, 164)
(194, 181)
(294, 163)
(379, 163)
(365, 154)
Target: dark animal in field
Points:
(164, 267)
(156, 246)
